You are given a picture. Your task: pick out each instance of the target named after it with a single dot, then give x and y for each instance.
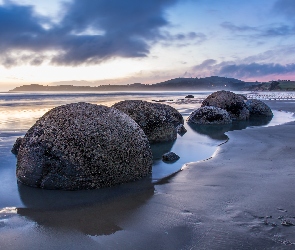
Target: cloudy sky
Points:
(127, 41)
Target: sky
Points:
(149, 41)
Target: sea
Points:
(42, 212)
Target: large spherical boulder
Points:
(157, 120)
(234, 104)
(258, 108)
(209, 115)
(83, 146)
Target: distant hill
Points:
(280, 85)
(208, 83)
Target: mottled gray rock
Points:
(258, 108)
(16, 145)
(170, 156)
(234, 104)
(83, 146)
(181, 130)
(209, 115)
(157, 120)
(189, 96)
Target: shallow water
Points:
(25, 208)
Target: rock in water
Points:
(16, 145)
(83, 146)
(189, 96)
(157, 120)
(258, 108)
(170, 156)
(234, 104)
(181, 130)
(209, 115)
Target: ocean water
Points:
(24, 207)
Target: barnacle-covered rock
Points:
(209, 115)
(234, 104)
(170, 156)
(258, 108)
(83, 146)
(157, 120)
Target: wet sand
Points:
(241, 198)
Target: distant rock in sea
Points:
(189, 96)
(157, 120)
(83, 146)
(233, 103)
(170, 157)
(209, 115)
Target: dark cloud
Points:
(242, 70)
(90, 31)
(274, 30)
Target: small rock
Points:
(287, 223)
(189, 96)
(16, 145)
(181, 130)
(170, 156)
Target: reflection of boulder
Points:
(161, 148)
(217, 131)
(92, 212)
(213, 131)
(258, 108)
(157, 120)
(231, 102)
(83, 146)
(209, 115)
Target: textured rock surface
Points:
(83, 146)
(258, 108)
(170, 156)
(16, 145)
(209, 115)
(181, 130)
(234, 104)
(157, 120)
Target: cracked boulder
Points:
(209, 115)
(83, 146)
(233, 103)
(157, 120)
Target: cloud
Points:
(273, 30)
(242, 70)
(90, 31)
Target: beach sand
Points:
(241, 198)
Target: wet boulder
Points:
(158, 121)
(258, 108)
(170, 157)
(83, 146)
(209, 115)
(234, 104)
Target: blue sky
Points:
(120, 42)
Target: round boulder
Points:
(258, 108)
(209, 115)
(83, 146)
(234, 104)
(157, 120)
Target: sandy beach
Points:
(241, 198)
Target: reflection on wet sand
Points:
(92, 212)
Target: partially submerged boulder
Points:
(181, 130)
(234, 104)
(258, 108)
(170, 156)
(157, 120)
(16, 145)
(83, 146)
(209, 115)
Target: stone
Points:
(83, 146)
(181, 130)
(16, 145)
(170, 156)
(234, 104)
(157, 120)
(209, 115)
(258, 108)
(189, 96)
